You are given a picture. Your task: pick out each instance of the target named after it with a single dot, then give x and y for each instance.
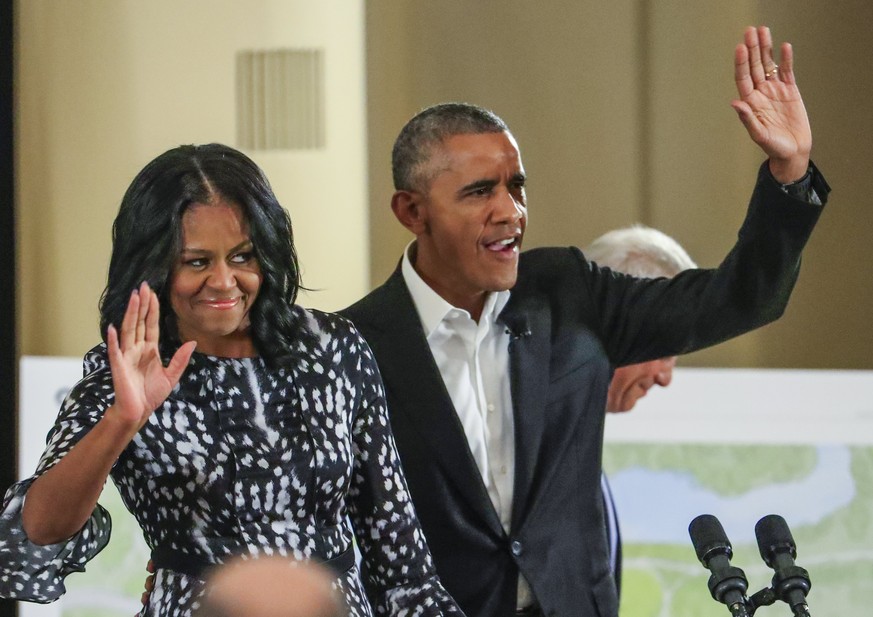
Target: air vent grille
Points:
(280, 99)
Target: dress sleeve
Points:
(36, 573)
(398, 570)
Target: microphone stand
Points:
(764, 597)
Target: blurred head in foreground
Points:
(270, 587)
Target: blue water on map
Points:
(657, 506)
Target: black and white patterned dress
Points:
(243, 458)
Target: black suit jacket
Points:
(571, 324)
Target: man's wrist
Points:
(790, 171)
(804, 187)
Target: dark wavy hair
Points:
(147, 240)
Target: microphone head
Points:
(774, 538)
(709, 538)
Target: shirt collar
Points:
(432, 308)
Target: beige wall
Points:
(622, 112)
(106, 85)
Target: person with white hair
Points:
(642, 252)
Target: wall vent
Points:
(280, 99)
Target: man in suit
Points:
(496, 363)
(647, 253)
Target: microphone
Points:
(517, 327)
(790, 582)
(727, 584)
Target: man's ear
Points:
(409, 210)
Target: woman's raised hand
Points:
(140, 379)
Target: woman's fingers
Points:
(152, 325)
(112, 345)
(179, 362)
(141, 320)
(128, 324)
(144, 304)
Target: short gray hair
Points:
(430, 127)
(639, 251)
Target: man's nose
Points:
(509, 209)
(665, 371)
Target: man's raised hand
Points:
(770, 106)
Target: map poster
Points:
(740, 445)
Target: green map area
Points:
(829, 490)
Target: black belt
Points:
(197, 566)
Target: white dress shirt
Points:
(473, 359)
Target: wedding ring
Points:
(772, 72)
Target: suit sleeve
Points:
(641, 319)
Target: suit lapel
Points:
(420, 396)
(529, 351)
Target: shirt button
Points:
(490, 406)
(515, 547)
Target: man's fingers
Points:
(754, 62)
(741, 71)
(756, 65)
(748, 118)
(786, 65)
(766, 42)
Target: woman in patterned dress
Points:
(271, 437)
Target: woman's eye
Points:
(195, 263)
(241, 258)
